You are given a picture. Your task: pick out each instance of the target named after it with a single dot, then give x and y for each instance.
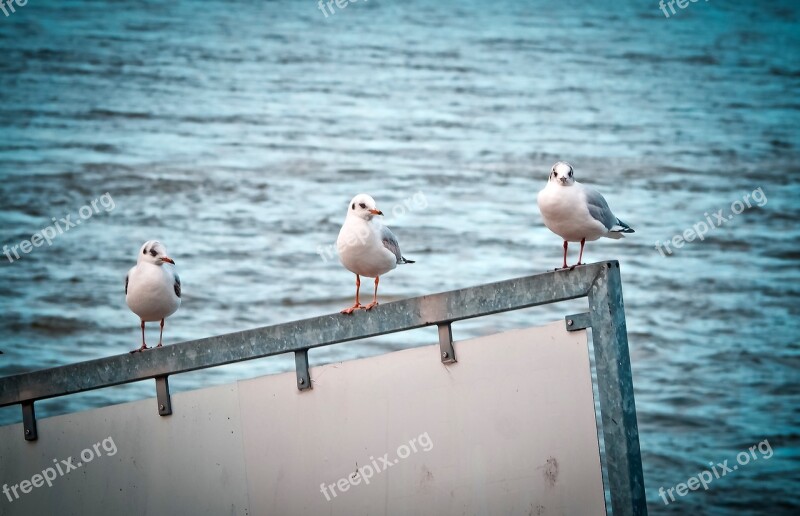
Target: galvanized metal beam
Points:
(325, 330)
(446, 344)
(577, 322)
(301, 365)
(29, 421)
(162, 396)
(615, 388)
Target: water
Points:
(236, 132)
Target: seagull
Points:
(367, 247)
(575, 212)
(152, 291)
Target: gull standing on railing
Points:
(153, 291)
(575, 212)
(367, 247)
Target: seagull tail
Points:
(621, 227)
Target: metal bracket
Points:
(162, 392)
(446, 348)
(578, 321)
(29, 421)
(301, 364)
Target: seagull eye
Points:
(362, 205)
(570, 173)
(353, 206)
(153, 252)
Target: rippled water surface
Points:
(236, 132)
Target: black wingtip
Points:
(405, 260)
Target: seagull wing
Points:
(177, 285)
(599, 210)
(390, 242)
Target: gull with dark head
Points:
(575, 212)
(153, 290)
(367, 247)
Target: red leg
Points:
(161, 334)
(351, 309)
(144, 346)
(375, 295)
(580, 257)
(566, 244)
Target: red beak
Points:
(167, 259)
(376, 212)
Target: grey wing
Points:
(390, 242)
(599, 210)
(177, 285)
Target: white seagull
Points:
(152, 291)
(575, 212)
(367, 247)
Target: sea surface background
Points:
(236, 132)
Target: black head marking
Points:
(362, 205)
(353, 206)
(153, 252)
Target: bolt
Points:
(444, 354)
(570, 322)
(301, 381)
(161, 407)
(27, 431)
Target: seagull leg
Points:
(566, 244)
(351, 309)
(580, 257)
(375, 295)
(161, 334)
(144, 346)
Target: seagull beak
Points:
(168, 260)
(376, 212)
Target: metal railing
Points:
(599, 282)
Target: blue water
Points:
(236, 132)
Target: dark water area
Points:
(236, 133)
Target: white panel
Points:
(188, 463)
(510, 429)
(511, 424)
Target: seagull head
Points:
(562, 174)
(363, 206)
(154, 252)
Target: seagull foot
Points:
(371, 305)
(349, 310)
(144, 346)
